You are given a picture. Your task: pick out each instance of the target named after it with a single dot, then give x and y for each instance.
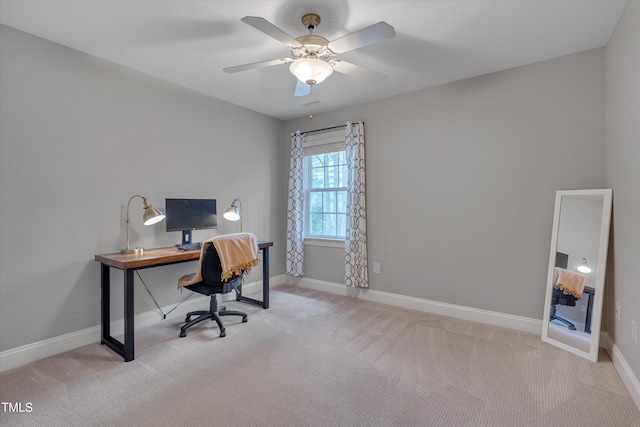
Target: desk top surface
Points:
(158, 256)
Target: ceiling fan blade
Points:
(372, 34)
(358, 71)
(271, 30)
(254, 65)
(302, 89)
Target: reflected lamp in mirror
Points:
(584, 267)
(234, 213)
(150, 216)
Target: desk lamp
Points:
(584, 267)
(234, 213)
(151, 216)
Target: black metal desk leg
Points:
(587, 321)
(105, 311)
(128, 316)
(105, 285)
(265, 283)
(265, 277)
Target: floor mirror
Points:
(577, 263)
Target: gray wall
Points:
(461, 181)
(475, 164)
(623, 175)
(78, 137)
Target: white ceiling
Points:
(190, 42)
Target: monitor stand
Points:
(187, 237)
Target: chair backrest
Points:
(558, 297)
(212, 267)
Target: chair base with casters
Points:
(553, 316)
(211, 285)
(559, 298)
(214, 313)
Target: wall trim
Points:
(460, 312)
(25, 354)
(624, 370)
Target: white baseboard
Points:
(19, 356)
(524, 324)
(460, 312)
(623, 369)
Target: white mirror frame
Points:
(596, 316)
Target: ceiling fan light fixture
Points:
(311, 70)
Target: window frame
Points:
(329, 142)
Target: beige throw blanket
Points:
(569, 282)
(238, 255)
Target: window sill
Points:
(328, 243)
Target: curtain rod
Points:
(320, 130)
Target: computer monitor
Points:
(187, 215)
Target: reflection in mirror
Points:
(573, 302)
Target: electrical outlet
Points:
(634, 332)
(376, 268)
(617, 312)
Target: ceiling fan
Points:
(312, 55)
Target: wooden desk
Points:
(153, 258)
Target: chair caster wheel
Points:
(244, 319)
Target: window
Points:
(325, 186)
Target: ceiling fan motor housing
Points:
(313, 46)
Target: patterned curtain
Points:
(355, 244)
(295, 208)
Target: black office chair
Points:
(213, 285)
(559, 298)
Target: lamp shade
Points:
(234, 212)
(152, 215)
(584, 267)
(311, 70)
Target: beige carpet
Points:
(318, 359)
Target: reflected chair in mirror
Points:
(212, 285)
(568, 287)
